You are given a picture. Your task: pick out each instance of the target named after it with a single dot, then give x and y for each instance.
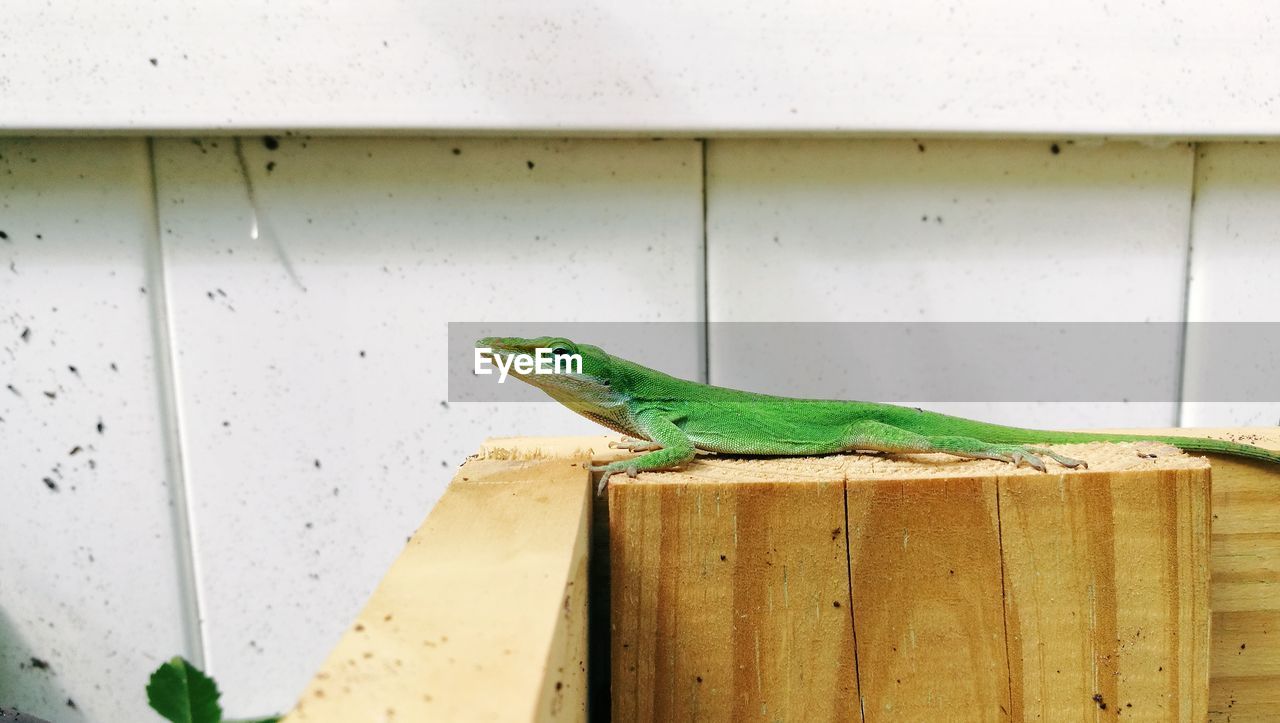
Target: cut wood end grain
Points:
(1101, 457)
(531, 448)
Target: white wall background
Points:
(272, 430)
(1144, 67)
(271, 407)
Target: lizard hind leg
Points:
(888, 438)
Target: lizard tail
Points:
(1221, 446)
(1188, 444)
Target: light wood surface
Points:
(1244, 660)
(1244, 592)
(964, 588)
(1106, 594)
(1093, 597)
(483, 616)
(731, 601)
(925, 555)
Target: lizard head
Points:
(576, 375)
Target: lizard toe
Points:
(1067, 462)
(1021, 455)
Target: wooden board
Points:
(1244, 568)
(925, 555)
(483, 616)
(1055, 537)
(702, 575)
(1106, 594)
(1244, 594)
(950, 610)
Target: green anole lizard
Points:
(669, 419)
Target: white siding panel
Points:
(900, 230)
(314, 410)
(1235, 266)
(1174, 67)
(90, 579)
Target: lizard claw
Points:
(634, 445)
(608, 470)
(604, 478)
(1068, 462)
(1019, 456)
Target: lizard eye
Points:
(560, 351)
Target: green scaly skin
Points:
(671, 418)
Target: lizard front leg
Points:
(672, 449)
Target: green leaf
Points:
(182, 694)
(268, 719)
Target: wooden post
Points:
(1106, 594)
(731, 601)
(1245, 590)
(975, 590)
(925, 555)
(483, 617)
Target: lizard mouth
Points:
(498, 351)
(497, 345)
(492, 348)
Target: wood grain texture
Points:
(731, 600)
(483, 616)
(1098, 575)
(1106, 594)
(1244, 593)
(1244, 569)
(937, 626)
(925, 556)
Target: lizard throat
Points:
(613, 424)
